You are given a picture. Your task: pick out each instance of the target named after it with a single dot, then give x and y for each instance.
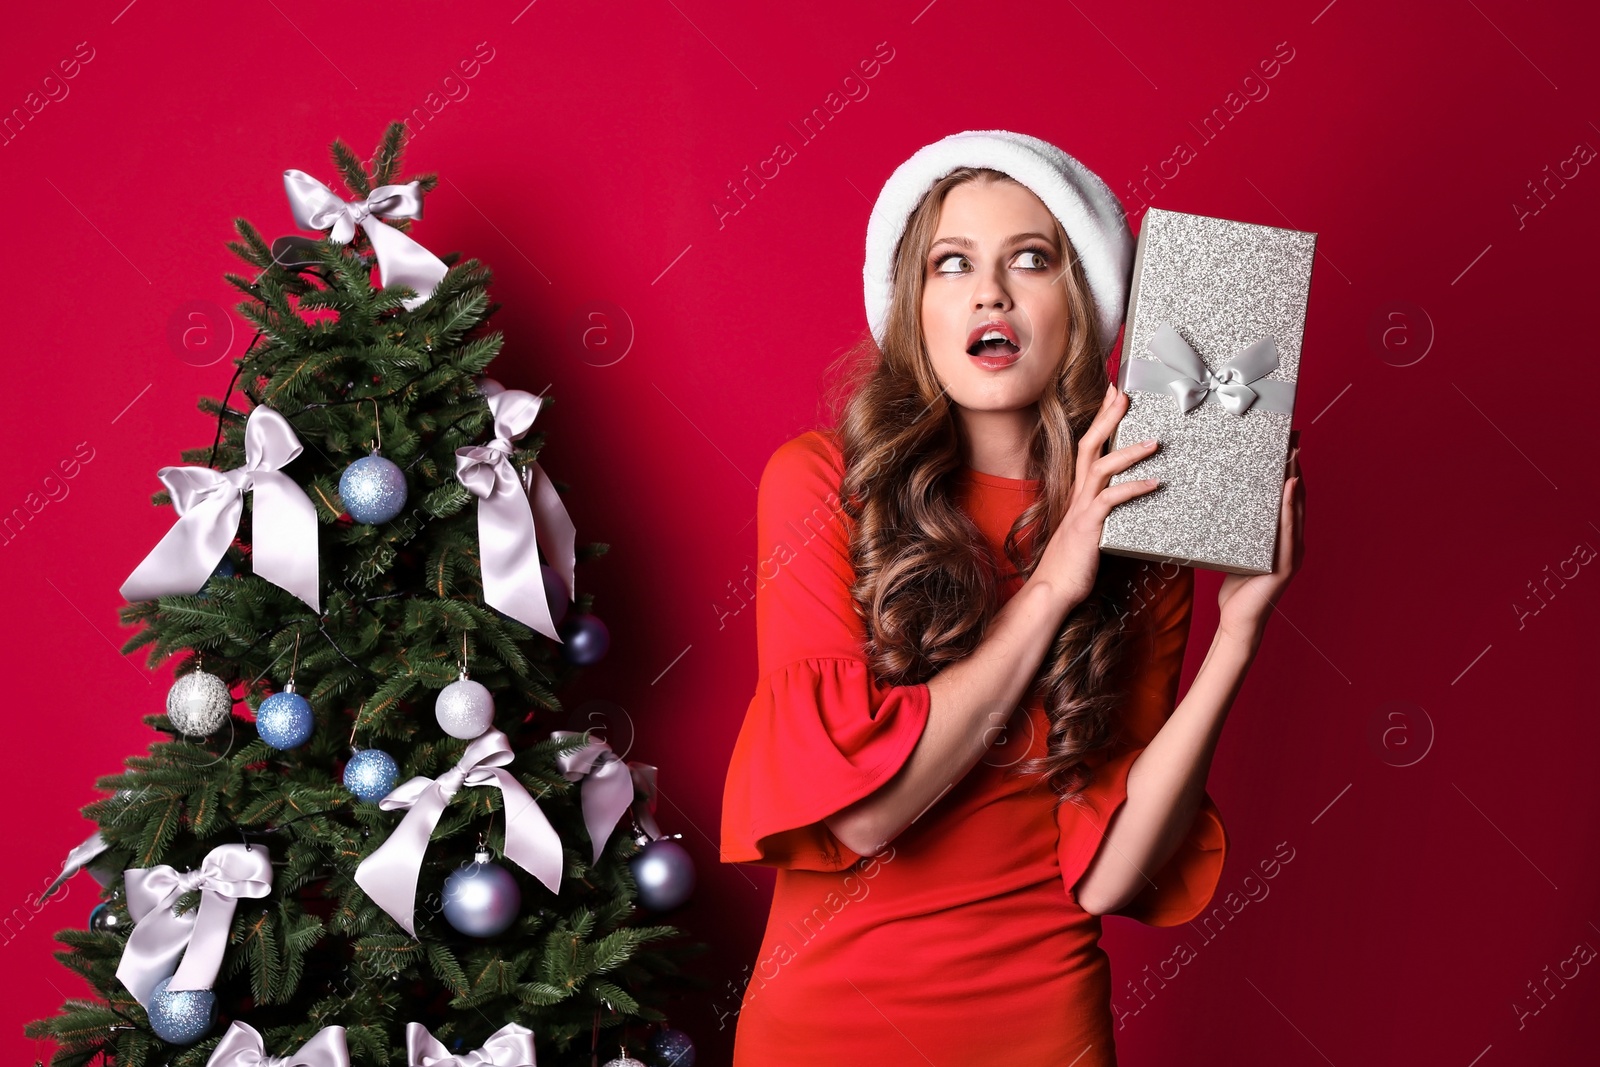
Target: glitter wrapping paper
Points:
(1221, 284)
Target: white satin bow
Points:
(242, 1046)
(515, 519)
(608, 788)
(401, 261)
(509, 1046)
(210, 503)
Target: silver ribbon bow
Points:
(1240, 385)
(514, 517)
(509, 1046)
(389, 875)
(210, 503)
(608, 788)
(242, 1046)
(401, 261)
(159, 937)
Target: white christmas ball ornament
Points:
(664, 872)
(464, 709)
(198, 703)
(373, 490)
(481, 898)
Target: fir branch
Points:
(612, 996)
(261, 952)
(463, 314)
(350, 169)
(386, 159)
(446, 968)
(254, 248)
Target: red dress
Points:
(962, 943)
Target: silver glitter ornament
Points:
(481, 899)
(182, 1017)
(198, 703)
(373, 489)
(664, 873)
(624, 1060)
(1221, 285)
(464, 708)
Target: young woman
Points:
(963, 749)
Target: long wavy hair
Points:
(926, 584)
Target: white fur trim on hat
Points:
(1088, 210)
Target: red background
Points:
(1444, 406)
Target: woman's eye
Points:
(1027, 259)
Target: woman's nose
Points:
(991, 292)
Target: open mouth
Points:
(994, 339)
(994, 344)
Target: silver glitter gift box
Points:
(1210, 356)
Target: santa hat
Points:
(1089, 212)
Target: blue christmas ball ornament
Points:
(371, 774)
(672, 1048)
(373, 489)
(584, 640)
(284, 719)
(183, 1017)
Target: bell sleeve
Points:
(819, 733)
(1184, 885)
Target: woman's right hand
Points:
(1071, 556)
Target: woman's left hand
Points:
(1246, 601)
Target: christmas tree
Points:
(366, 835)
